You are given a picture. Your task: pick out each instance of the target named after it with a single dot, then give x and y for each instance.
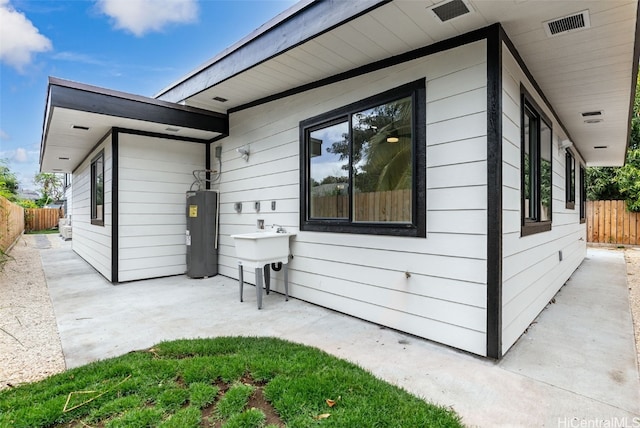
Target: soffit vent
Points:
(567, 24)
(451, 9)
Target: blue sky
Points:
(136, 46)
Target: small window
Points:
(362, 166)
(583, 195)
(97, 190)
(570, 181)
(536, 168)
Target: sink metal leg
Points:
(240, 278)
(267, 278)
(286, 281)
(259, 287)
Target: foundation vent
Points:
(451, 9)
(567, 24)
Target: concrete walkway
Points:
(575, 367)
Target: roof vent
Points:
(567, 24)
(451, 9)
(220, 99)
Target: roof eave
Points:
(302, 22)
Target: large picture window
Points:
(570, 181)
(536, 168)
(363, 166)
(97, 190)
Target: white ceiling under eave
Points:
(587, 70)
(66, 147)
(79, 116)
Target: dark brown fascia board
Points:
(301, 23)
(634, 80)
(296, 8)
(93, 99)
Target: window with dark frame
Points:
(583, 195)
(362, 166)
(97, 190)
(570, 180)
(536, 168)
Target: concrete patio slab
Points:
(575, 366)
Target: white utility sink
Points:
(262, 247)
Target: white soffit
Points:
(582, 70)
(66, 146)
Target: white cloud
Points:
(20, 39)
(78, 57)
(20, 155)
(143, 16)
(4, 135)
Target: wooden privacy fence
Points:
(609, 222)
(11, 222)
(41, 218)
(392, 206)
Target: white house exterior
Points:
(497, 121)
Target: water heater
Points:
(202, 252)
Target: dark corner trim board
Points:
(115, 233)
(495, 36)
(443, 45)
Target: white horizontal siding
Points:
(444, 297)
(154, 176)
(532, 270)
(92, 242)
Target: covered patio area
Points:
(577, 362)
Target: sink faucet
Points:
(279, 229)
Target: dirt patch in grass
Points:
(257, 400)
(210, 419)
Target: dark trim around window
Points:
(570, 180)
(346, 224)
(97, 191)
(583, 195)
(533, 219)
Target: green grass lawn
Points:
(41, 232)
(221, 382)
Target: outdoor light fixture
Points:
(244, 152)
(565, 144)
